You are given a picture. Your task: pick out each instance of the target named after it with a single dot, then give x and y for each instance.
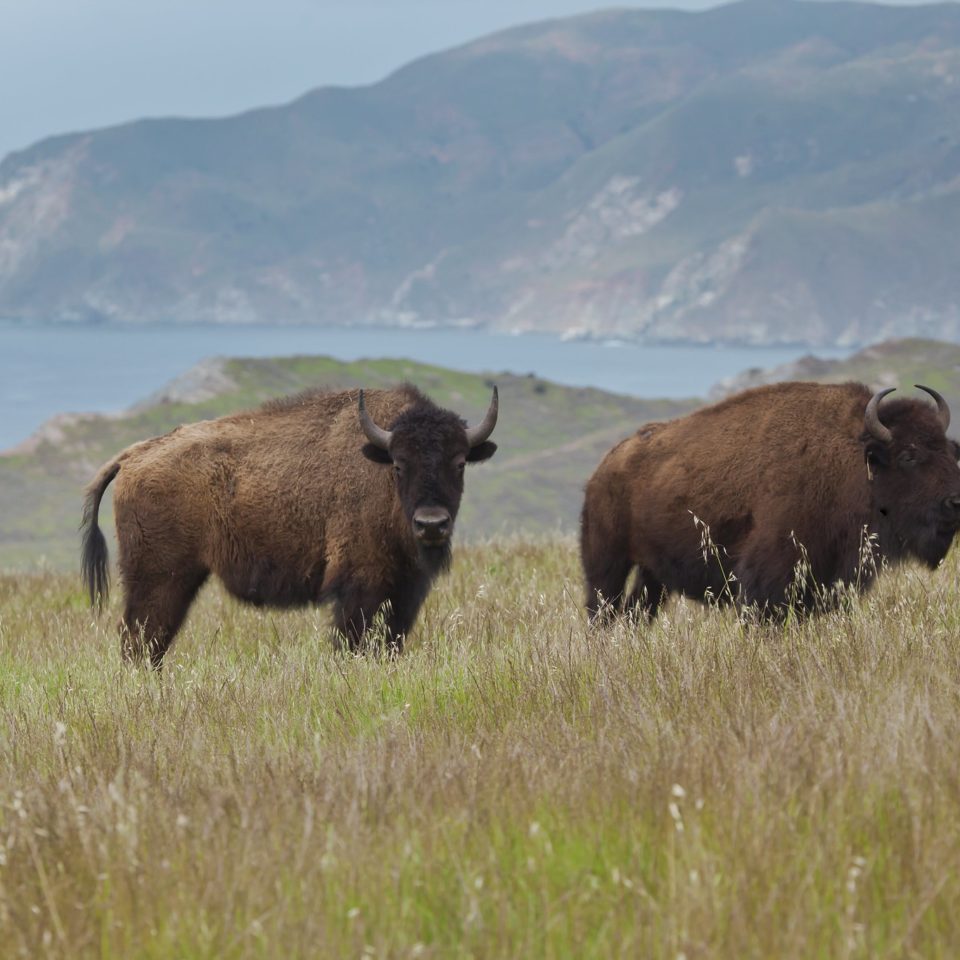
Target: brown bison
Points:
(774, 497)
(288, 506)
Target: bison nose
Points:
(432, 524)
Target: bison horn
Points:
(942, 407)
(476, 435)
(376, 435)
(872, 417)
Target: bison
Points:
(776, 497)
(303, 500)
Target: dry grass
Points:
(514, 786)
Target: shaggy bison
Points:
(773, 497)
(288, 506)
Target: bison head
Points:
(428, 449)
(914, 476)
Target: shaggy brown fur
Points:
(769, 477)
(288, 506)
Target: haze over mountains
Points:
(762, 172)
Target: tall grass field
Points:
(515, 785)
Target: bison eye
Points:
(908, 457)
(398, 470)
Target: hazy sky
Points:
(74, 64)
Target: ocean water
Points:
(47, 370)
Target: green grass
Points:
(514, 786)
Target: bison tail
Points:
(94, 554)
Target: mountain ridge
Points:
(737, 174)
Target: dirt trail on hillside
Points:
(573, 446)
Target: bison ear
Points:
(482, 451)
(376, 454)
(876, 454)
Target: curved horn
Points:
(476, 435)
(871, 417)
(942, 407)
(376, 435)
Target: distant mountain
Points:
(762, 172)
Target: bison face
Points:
(915, 478)
(428, 449)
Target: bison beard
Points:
(775, 497)
(288, 506)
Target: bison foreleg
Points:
(355, 617)
(357, 611)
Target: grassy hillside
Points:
(759, 172)
(513, 786)
(550, 439)
(894, 363)
(516, 784)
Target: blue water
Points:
(55, 369)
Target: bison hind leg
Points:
(605, 557)
(153, 613)
(647, 595)
(606, 579)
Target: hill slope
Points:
(549, 439)
(766, 171)
(894, 363)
